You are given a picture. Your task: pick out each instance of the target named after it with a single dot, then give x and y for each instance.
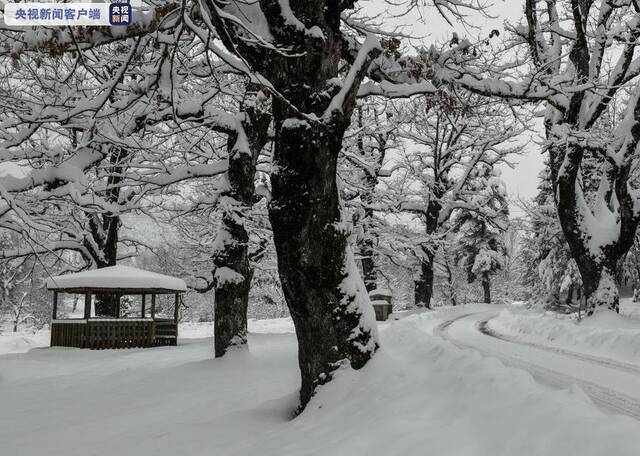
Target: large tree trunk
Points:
(233, 278)
(233, 273)
(600, 288)
(486, 288)
(327, 299)
(596, 263)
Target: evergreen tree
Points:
(479, 242)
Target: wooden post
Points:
(176, 314)
(118, 305)
(153, 306)
(87, 306)
(54, 313)
(144, 296)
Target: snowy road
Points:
(612, 385)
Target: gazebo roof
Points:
(117, 278)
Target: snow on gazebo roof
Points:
(117, 278)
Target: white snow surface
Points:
(419, 394)
(116, 277)
(605, 334)
(22, 341)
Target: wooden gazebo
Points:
(115, 331)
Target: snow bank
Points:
(421, 394)
(200, 330)
(605, 334)
(630, 309)
(21, 342)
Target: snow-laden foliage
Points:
(577, 59)
(479, 242)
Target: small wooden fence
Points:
(113, 333)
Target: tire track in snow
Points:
(604, 397)
(619, 365)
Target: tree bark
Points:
(233, 278)
(105, 305)
(233, 272)
(318, 274)
(486, 288)
(597, 268)
(104, 232)
(599, 287)
(450, 284)
(424, 283)
(369, 271)
(569, 299)
(327, 299)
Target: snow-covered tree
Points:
(313, 59)
(479, 243)
(447, 136)
(553, 273)
(314, 68)
(578, 58)
(367, 144)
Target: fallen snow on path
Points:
(419, 394)
(605, 334)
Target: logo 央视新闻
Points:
(120, 14)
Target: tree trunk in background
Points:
(569, 299)
(369, 271)
(233, 279)
(103, 245)
(233, 273)
(367, 195)
(105, 236)
(450, 284)
(319, 276)
(106, 306)
(486, 288)
(424, 283)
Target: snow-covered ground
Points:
(419, 395)
(605, 334)
(23, 341)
